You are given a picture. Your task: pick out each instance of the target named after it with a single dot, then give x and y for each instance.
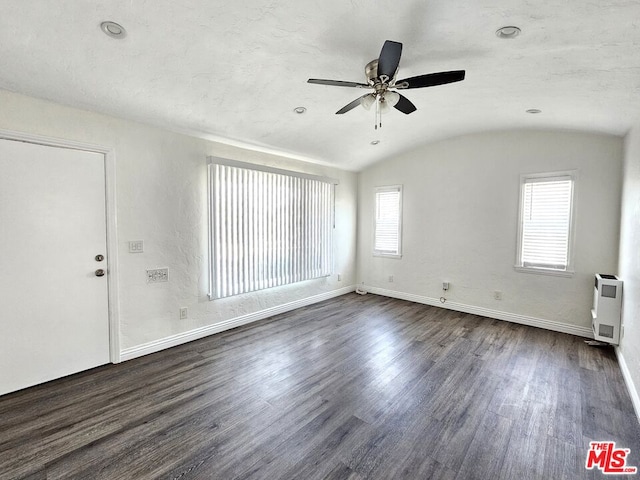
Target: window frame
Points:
(542, 177)
(381, 189)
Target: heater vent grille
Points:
(605, 330)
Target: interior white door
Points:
(53, 307)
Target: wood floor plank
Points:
(524, 457)
(563, 461)
(410, 456)
(567, 417)
(342, 472)
(321, 455)
(357, 387)
(200, 416)
(232, 452)
(485, 455)
(416, 465)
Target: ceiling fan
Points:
(381, 78)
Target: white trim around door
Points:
(112, 236)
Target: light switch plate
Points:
(136, 246)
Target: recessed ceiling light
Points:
(508, 32)
(533, 110)
(300, 110)
(375, 142)
(113, 29)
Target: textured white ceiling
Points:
(234, 70)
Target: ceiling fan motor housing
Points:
(371, 72)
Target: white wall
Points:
(460, 213)
(161, 199)
(629, 350)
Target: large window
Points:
(268, 227)
(545, 229)
(388, 221)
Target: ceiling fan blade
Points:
(431, 79)
(389, 59)
(337, 83)
(351, 106)
(405, 105)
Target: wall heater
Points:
(607, 304)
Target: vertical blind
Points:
(387, 220)
(546, 222)
(267, 229)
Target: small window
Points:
(546, 205)
(388, 221)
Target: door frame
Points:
(111, 223)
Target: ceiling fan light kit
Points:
(381, 78)
(367, 101)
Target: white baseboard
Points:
(195, 334)
(631, 387)
(486, 312)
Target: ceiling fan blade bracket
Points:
(400, 85)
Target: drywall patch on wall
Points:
(460, 214)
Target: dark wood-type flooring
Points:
(358, 387)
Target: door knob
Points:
(99, 258)
(99, 272)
